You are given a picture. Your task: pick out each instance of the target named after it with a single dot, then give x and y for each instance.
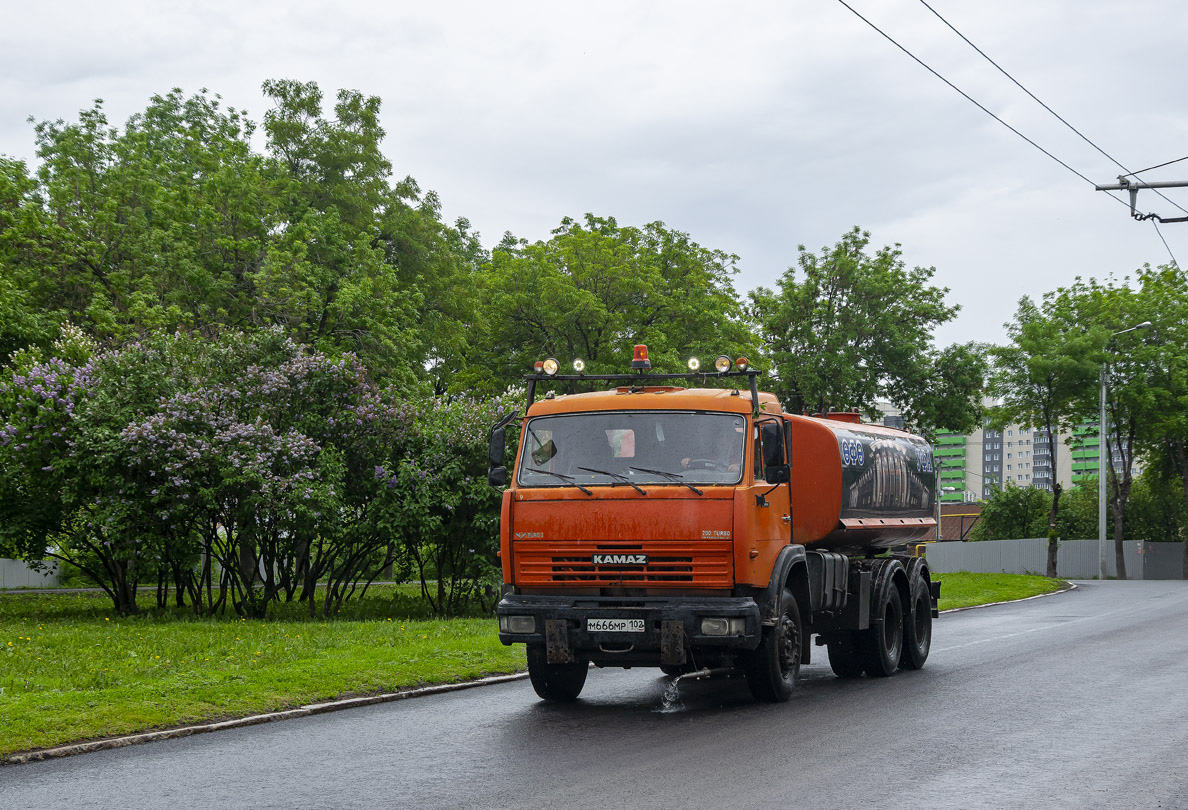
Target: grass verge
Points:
(963, 589)
(71, 670)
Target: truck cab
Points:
(649, 524)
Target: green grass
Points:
(963, 589)
(71, 670)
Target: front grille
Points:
(684, 563)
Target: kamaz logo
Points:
(620, 559)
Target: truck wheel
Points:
(559, 682)
(917, 628)
(774, 667)
(845, 656)
(883, 644)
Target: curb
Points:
(1072, 586)
(253, 720)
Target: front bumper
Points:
(672, 627)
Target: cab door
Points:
(764, 508)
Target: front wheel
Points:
(774, 667)
(557, 682)
(883, 644)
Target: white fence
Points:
(1075, 559)
(16, 574)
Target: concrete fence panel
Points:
(1076, 559)
(16, 574)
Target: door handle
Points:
(786, 518)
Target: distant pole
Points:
(1102, 547)
(1101, 478)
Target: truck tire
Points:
(774, 668)
(557, 682)
(917, 628)
(845, 655)
(882, 645)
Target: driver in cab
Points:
(723, 455)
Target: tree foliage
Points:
(594, 290)
(846, 327)
(1040, 376)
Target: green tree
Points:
(1012, 513)
(846, 328)
(155, 227)
(21, 220)
(1166, 442)
(594, 290)
(1044, 370)
(1132, 382)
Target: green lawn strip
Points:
(68, 679)
(963, 589)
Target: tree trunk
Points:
(1053, 539)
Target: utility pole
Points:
(1133, 187)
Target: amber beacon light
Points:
(640, 359)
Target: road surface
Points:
(1078, 700)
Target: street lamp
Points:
(1101, 459)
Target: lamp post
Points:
(1102, 547)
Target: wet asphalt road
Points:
(1076, 700)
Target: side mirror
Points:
(497, 447)
(775, 463)
(496, 450)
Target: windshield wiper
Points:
(569, 479)
(671, 476)
(617, 477)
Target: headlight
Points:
(742, 363)
(723, 363)
(551, 366)
(579, 365)
(694, 364)
(716, 626)
(517, 624)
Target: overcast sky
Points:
(755, 127)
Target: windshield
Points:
(632, 448)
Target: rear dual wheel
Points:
(917, 627)
(882, 645)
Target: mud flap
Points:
(557, 642)
(672, 643)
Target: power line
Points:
(971, 100)
(1036, 99)
(1164, 241)
(1159, 166)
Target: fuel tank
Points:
(859, 487)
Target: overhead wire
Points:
(1158, 166)
(1037, 100)
(1155, 222)
(972, 100)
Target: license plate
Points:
(614, 625)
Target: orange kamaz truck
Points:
(704, 530)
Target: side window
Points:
(758, 453)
